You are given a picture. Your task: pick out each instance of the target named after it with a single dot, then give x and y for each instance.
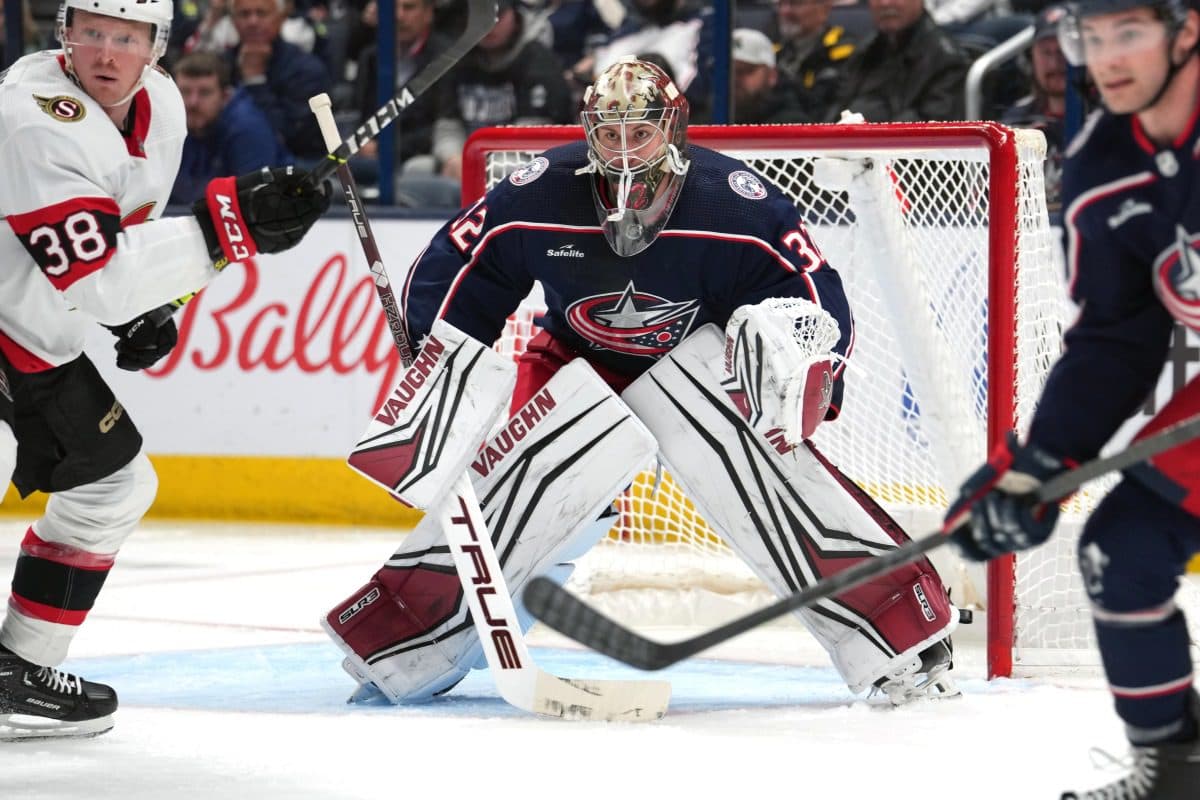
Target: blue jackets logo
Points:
(632, 322)
(530, 172)
(1177, 278)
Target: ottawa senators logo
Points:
(632, 322)
(62, 107)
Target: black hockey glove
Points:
(142, 342)
(1004, 513)
(267, 211)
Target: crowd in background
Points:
(246, 69)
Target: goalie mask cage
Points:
(956, 283)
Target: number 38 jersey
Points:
(733, 239)
(75, 188)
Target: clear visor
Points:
(622, 144)
(122, 42)
(1105, 38)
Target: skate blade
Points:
(368, 694)
(925, 688)
(26, 728)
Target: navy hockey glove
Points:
(267, 211)
(142, 342)
(1004, 513)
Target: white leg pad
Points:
(787, 512)
(542, 481)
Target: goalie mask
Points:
(635, 120)
(157, 13)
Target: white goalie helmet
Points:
(635, 120)
(157, 13)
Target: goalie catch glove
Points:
(267, 211)
(143, 341)
(779, 365)
(1005, 515)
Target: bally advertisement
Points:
(280, 363)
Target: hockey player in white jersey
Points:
(90, 142)
(647, 247)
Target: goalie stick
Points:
(518, 679)
(481, 18)
(571, 617)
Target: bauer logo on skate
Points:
(521, 424)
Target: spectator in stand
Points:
(278, 76)
(978, 25)
(217, 33)
(417, 43)
(227, 133)
(34, 40)
(1045, 106)
(910, 70)
(580, 26)
(509, 78)
(812, 54)
(680, 31)
(758, 95)
(188, 14)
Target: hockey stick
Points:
(570, 616)
(518, 679)
(481, 18)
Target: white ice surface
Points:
(229, 690)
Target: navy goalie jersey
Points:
(733, 239)
(1132, 224)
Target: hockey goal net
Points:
(956, 282)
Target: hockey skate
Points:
(924, 676)
(1168, 771)
(46, 703)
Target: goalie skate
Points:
(46, 703)
(927, 675)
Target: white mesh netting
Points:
(911, 241)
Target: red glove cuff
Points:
(232, 232)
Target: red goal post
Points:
(967, 207)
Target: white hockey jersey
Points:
(73, 194)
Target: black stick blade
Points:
(570, 616)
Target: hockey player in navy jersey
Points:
(640, 241)
(1133, 250)
(90, 141)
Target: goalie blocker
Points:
(789, 513)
